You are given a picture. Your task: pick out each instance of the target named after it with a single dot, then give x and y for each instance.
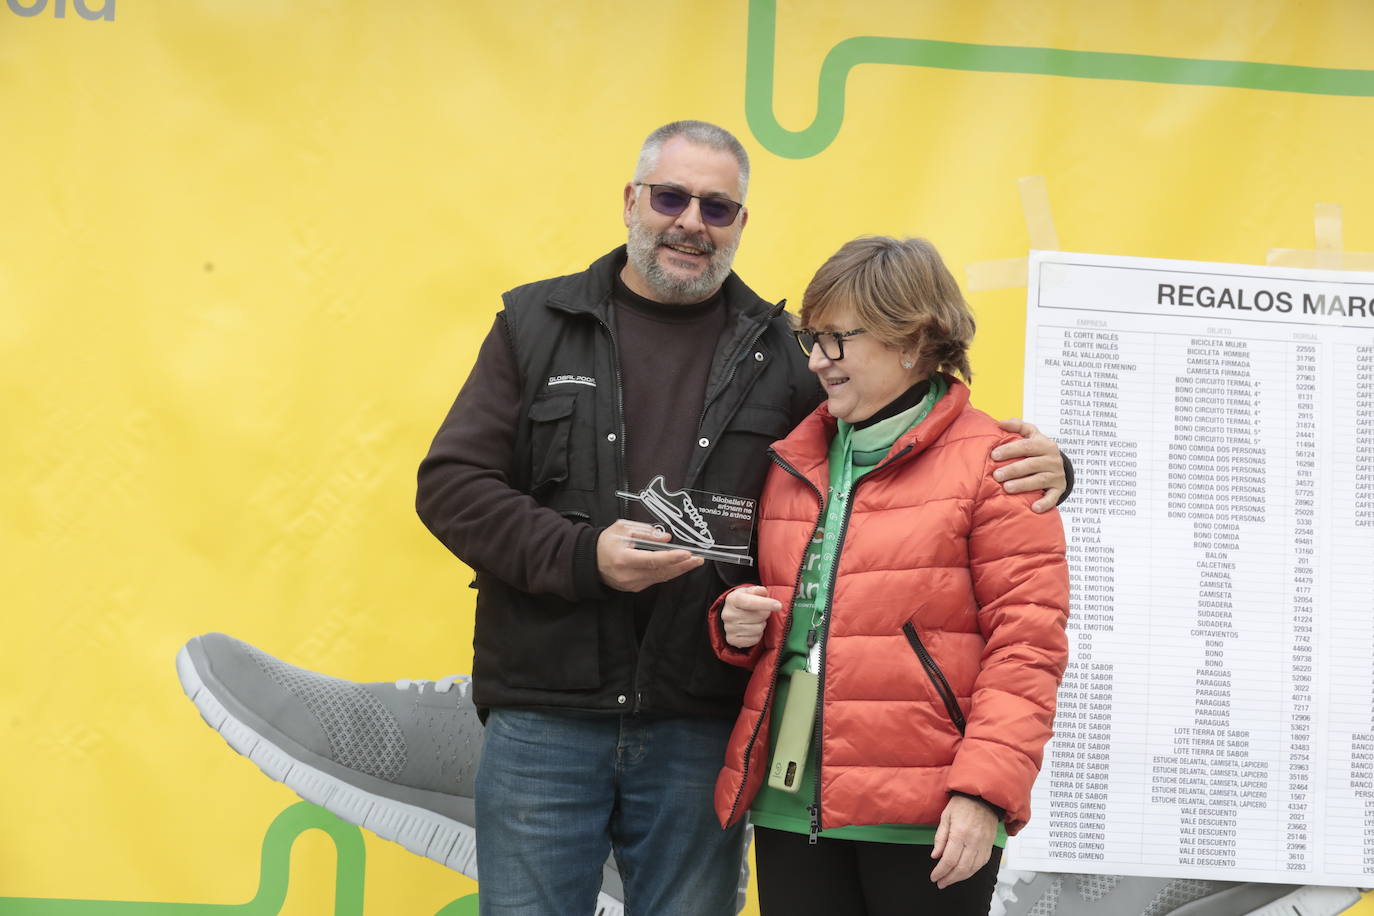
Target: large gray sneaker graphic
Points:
(396, 758)
(399, 758)
(1053, 894)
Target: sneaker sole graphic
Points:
(448, 842)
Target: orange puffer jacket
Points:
(945, 643)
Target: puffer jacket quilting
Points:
(936, 556)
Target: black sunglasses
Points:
(671, 201)
(808, 338)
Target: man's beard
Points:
(672, 287)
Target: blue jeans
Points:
(557, 791)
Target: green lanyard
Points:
(869, 445)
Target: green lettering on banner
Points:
(952, 55)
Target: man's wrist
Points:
(586, 573)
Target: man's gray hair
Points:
(699, 132)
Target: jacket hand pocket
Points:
(937, 677)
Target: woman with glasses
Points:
(907, 640)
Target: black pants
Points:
(852, 878)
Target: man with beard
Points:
(607, 714)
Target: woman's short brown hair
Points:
(902, 294)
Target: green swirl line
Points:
(950, 55)
(273, 879)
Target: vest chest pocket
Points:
(761, 419)
(554, 436)
(740, 458)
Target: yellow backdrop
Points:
(248, 249)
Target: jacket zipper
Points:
(817, 728)
(937, 677)
(624, 477)
(619, 412)
(791, 618)
(824, 637)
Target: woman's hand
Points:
(745, 612)
(963, 841)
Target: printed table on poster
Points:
(1217, 716)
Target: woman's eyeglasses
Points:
(832, 349)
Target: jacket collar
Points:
(806, 448)
(590, 291)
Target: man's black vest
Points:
(545, 651)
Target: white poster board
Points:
(1217, 716)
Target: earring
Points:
(908, 364)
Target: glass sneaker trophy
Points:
(710, 525)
